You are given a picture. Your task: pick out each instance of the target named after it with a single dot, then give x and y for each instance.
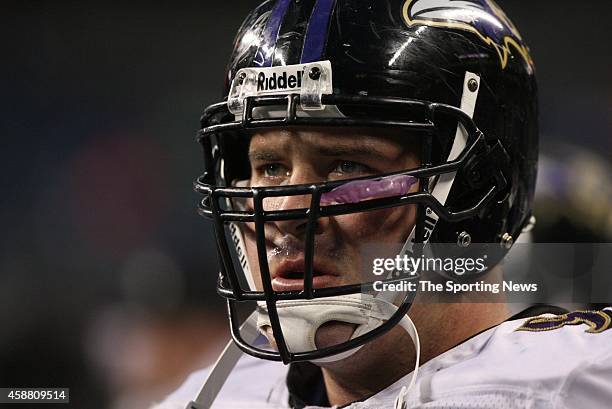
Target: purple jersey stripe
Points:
(316, 34)
(265, 53)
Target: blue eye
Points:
(350, 167)
(274, 170)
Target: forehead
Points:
(391, 140)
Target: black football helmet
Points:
(458, 74)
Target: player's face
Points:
(308, 155)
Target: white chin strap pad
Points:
(300, 319)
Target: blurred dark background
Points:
(106, 271)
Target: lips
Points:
(289, 276)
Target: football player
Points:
(356, 131)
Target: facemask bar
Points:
(209, 206)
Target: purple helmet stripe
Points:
(265, 54)
(316, 35)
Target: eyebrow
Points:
(265, 154)
(359, 151)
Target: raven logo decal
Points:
(597, 321)
(482, 17)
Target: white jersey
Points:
(544, 362)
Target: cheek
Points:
(381, 226)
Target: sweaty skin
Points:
(312, 155)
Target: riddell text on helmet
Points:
(281, 81)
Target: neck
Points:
(387, 359)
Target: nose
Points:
(296, 227)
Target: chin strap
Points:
(301, 319)
(407, 324)
(223, 367)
